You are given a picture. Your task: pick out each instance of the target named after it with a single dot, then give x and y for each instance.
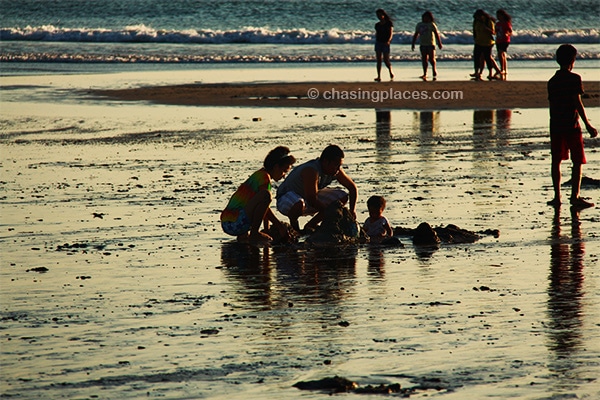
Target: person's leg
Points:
(478, 62)
(424, 63)
(493, 69)
(256, 210)
(575, 144)
(577, 201)
(502, 57)
(379, 56)
(326, 196)
(432, 61)
(295, 213)
(292, 205)
(575, 181)
(388, 64)
(555, 172)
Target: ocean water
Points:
(244, 31)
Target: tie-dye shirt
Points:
(257, 181)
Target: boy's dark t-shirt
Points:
(563, 91)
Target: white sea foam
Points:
(142, 33)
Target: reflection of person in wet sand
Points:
(248, 207)
(564, 93)
(384, 31)
(565, 290)
(305, 191)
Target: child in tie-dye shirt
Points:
(248, 207)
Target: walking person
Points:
(428, 35)
(384, 31)
(483, 35)
(503, 34)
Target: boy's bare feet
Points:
(581, 203)
(377, 79)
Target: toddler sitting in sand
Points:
(377, 226)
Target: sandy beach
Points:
(396, 95)
(116, 280)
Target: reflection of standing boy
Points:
(564, 93)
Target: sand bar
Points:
(394, 95)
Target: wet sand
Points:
(436, 95)
(116, 280)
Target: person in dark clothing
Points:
(564, 94)
(384, 31)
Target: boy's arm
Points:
(388, 228)
(581, 110)
(349, 184)
(310, 180)
(415, 39)
(437, 37)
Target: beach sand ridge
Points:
(395, 95)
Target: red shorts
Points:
(562, 144)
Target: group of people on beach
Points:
(306, 191)
(487, 31)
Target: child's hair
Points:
(502, 14)
(376, 202)
(427, 15)
(386, 17)
(565, 55)
(278, 156)
(332, 153)
(481, 13)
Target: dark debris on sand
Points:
(340, 228)
(342, 385)
(586, 182)
(338, 384)
(426, 235)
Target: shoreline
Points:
(438, 95)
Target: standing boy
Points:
(564, 93)
(305, 191)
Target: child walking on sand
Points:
(564, 94)
(384, 31)
(428, 33)
(377, 226)
(248, 207)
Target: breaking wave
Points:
(145, 34)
